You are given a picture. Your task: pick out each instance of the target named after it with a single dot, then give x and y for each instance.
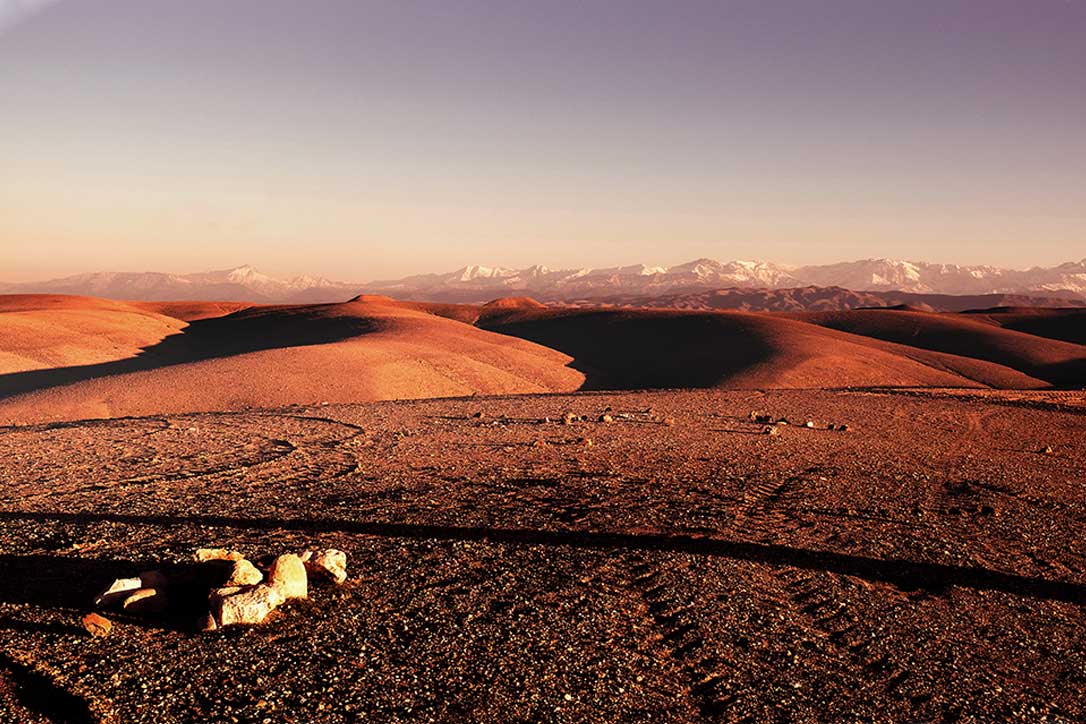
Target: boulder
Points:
(97, 625)
(222, 592)
(287, 573)
(202, 555)
(243, 573)
(117, 592)
(145, 600)
(248, 606)
(328, 563)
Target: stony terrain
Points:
(674, 564)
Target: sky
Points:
(364, 140)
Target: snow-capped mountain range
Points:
(479, 283)
(241, 284)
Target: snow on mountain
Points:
(243, 283)
(864, 275)
(924, 277)
(477, 283)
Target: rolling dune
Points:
(76, 357)
(1051, 360)
(631, 349)
(1067, 325)
(44, 331)
(274, 356)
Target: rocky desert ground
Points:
(547, 549)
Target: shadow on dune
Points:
(1066, 325)
(234, 334)
(17, 573)
(644, 350)
(1043, 357)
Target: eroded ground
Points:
(926, 565)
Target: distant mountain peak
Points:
(479, 283)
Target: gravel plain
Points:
(676, 564)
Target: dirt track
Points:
(926, 565)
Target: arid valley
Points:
(600, 515)
(569, 362)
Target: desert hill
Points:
(631, 349)
(1068, 325)
(72, 357)
(192, 311)
(49, 331)
(1052, 360)
(272, 356)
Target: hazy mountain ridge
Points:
(241, 284)
(477, 283)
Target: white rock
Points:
(145, 600)
(117, 592)
(248, 606)
(243, 573)
(287, 574)
(202, 555)
(330, 563)
(222, 592)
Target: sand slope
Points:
(1068, 325)
(74, 357)
(1052, 360)
(630, 349)
(269, 356)
(46, 331)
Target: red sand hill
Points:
(271, 356)
(1068, 325)
(629, 349)
(1055, 361)
(46, 331)
(67, 357)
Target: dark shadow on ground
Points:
(39, 694)
(654, 349)
(946, 334)
(56, 573)
(249, 330)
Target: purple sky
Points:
(365, 140)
